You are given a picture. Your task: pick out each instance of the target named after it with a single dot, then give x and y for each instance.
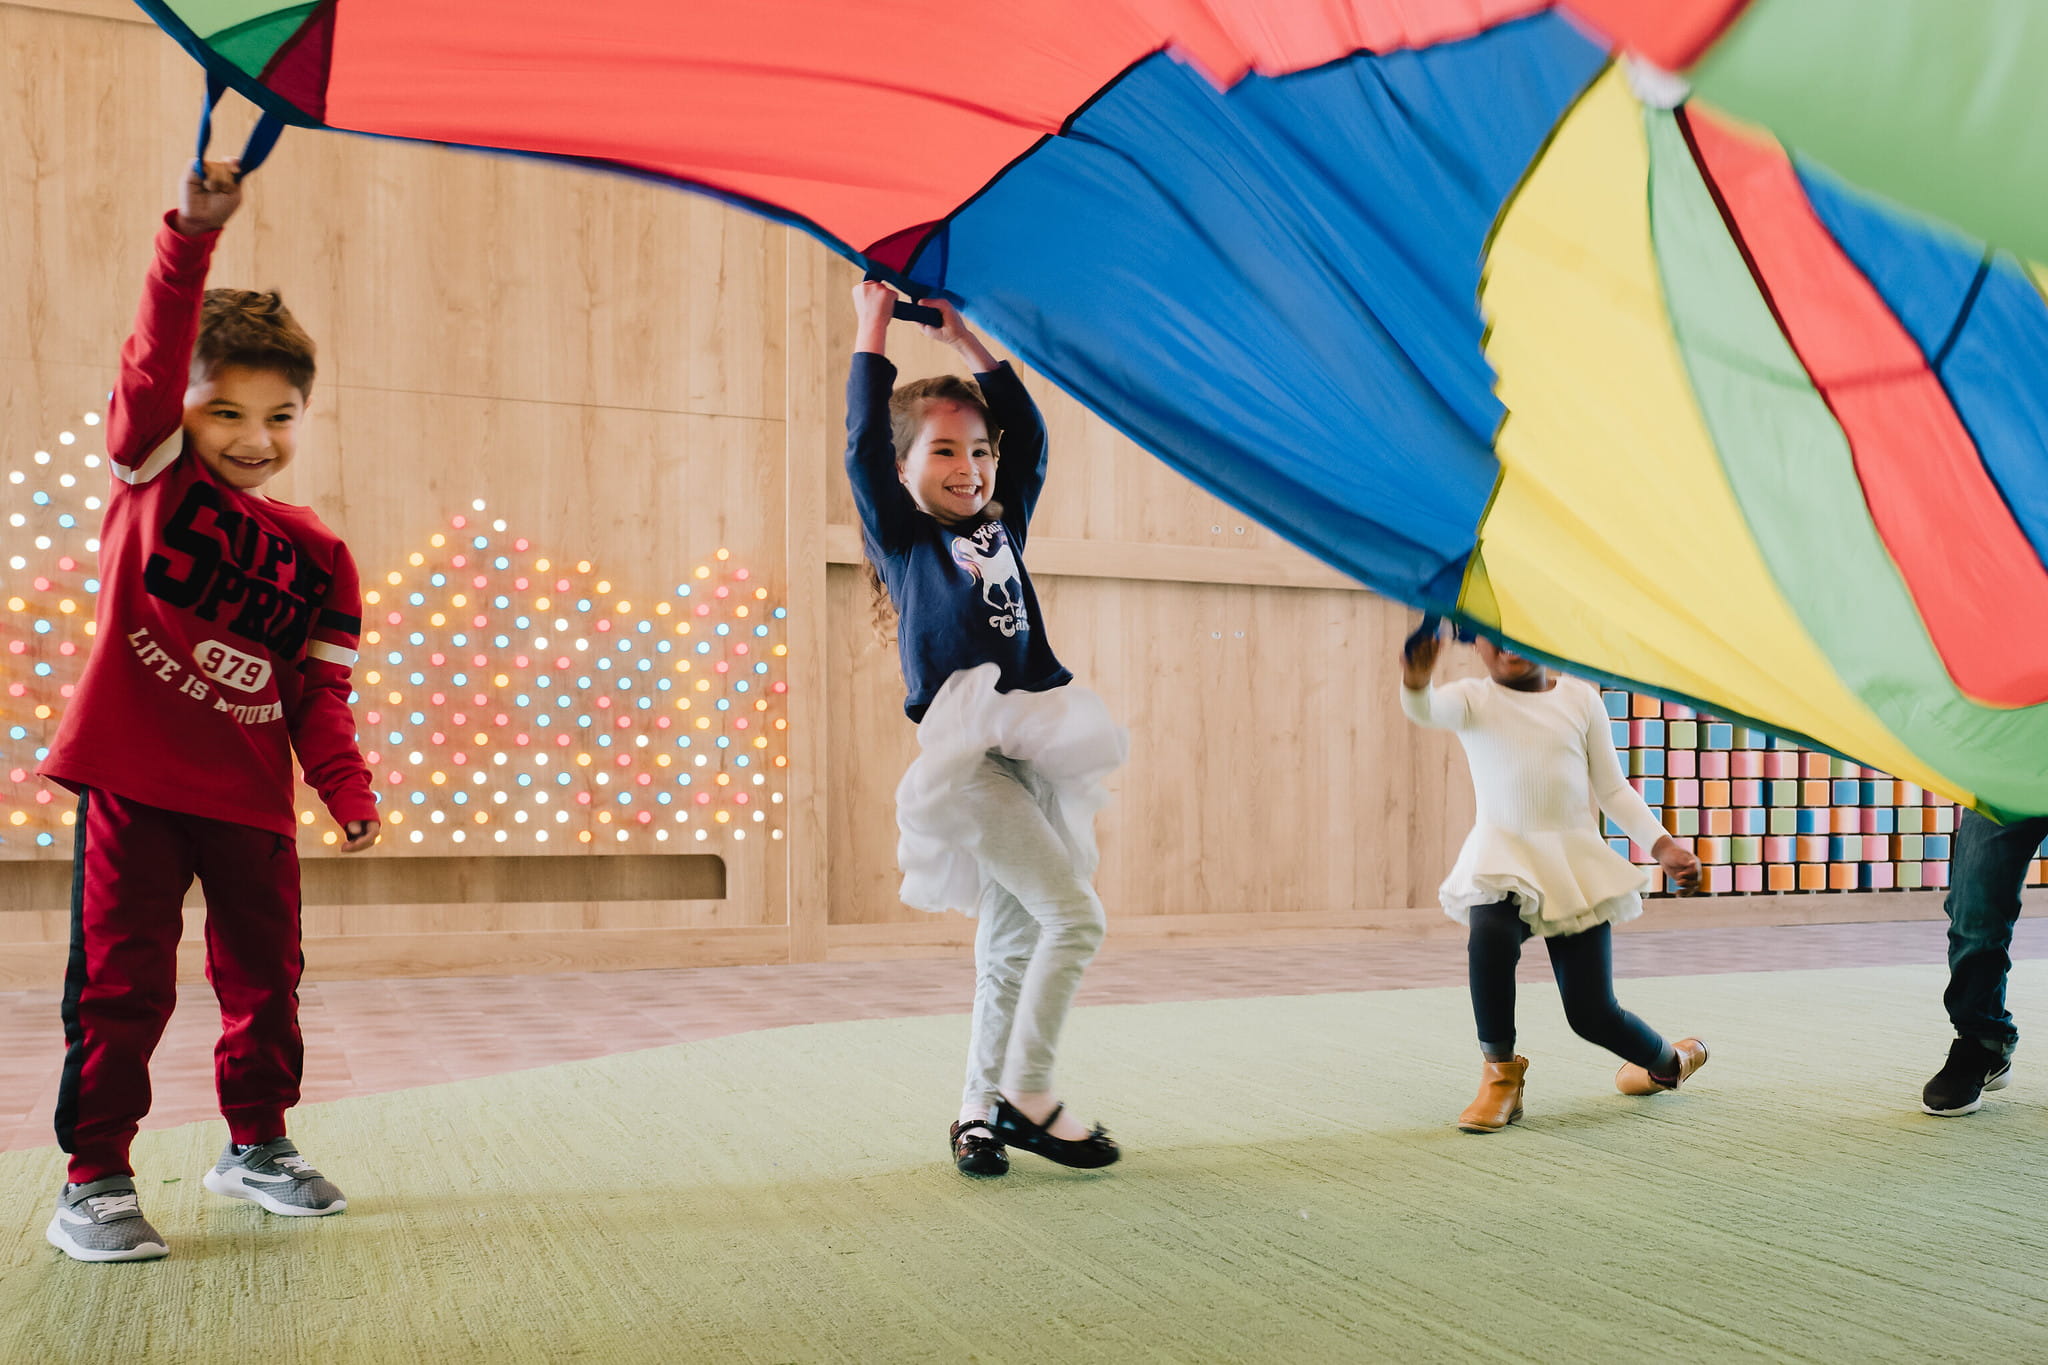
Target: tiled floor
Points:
(363, 1037)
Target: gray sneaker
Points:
(278, 1178)
(102, 1221)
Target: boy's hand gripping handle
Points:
(262, 137)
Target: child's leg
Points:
(1003, 943)
(131, 864)
(1021, 852)
(1491, 954)
(1583, 964)
(1983, 903)
(253, 959)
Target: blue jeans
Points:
(1986, 872)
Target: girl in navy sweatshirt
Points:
(997, 813)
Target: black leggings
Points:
(1583, 964)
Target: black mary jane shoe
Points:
(975, 1154)
(1084, 1154)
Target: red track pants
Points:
(130, 870)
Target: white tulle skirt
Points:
(1563, 881)
(1067, 737)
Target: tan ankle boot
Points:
(1500, 1097)
(1636, 1080)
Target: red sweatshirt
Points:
(227, 620)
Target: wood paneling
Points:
(119, 10)
(600, 360)
(1052, 557)
(477, 879)
(1270, 770)
(949, 935)
(808, 470)
(365, 956)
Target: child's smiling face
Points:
(950, 469)
(243, 423)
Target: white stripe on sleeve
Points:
(157, 463)
(333, 654)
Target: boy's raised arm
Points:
(144, 419)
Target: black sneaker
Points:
(976, 1151)
(1958, 1088)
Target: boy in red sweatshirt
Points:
(227, 629)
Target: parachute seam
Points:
(1955, 331)
(1528, 173)
(292, 44)
(1066, 128)
(1493, 229)
(1683, 118)
(1734, 15)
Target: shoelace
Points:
(297, 1165)
(107, 1205)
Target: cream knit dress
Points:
(1539, 761)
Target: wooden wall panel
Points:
(871, 742)
(809, 459)
(1270, 770)
(416, 268)
(643, 493)
(600, 360)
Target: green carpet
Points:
(1292, 1191)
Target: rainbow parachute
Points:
(1466, 297)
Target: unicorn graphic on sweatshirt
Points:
(989, 558)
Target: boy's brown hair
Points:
(253, 328)
(906, 418)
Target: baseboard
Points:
(1827, 907)
(946, 935)
(357, 957)
(40, 965)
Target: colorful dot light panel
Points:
(1767, 816)
(506, 697)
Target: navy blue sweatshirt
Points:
(962, 597)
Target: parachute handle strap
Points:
(909, 312)
(1432, 625)
(262, 137)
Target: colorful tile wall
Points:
(1766, 816)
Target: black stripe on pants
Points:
(74, 986)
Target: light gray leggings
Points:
(1040, 926)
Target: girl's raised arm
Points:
(887, 514)
(1449, 709)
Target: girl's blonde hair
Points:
(907, 407)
